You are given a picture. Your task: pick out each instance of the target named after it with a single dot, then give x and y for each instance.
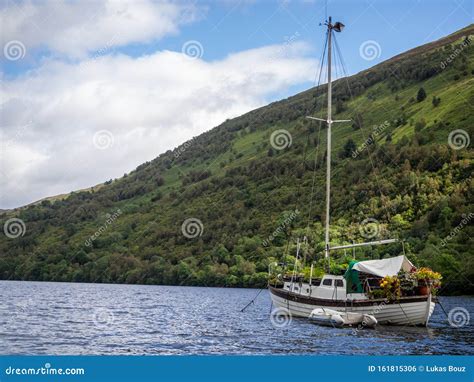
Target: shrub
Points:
(421, 95)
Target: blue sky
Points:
(396, 25)
(225, 27)
(91, 90)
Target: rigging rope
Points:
(317, 84)
(252, 301)
(313, 184)
(374, 168)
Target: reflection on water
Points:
(66, 318)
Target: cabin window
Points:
(327, 282)
(339, 283)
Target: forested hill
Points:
(216, 210)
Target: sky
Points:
(91, 89)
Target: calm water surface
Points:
(65, 318)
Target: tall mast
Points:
(328, 160)
(338, 27)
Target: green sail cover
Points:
(352, 279)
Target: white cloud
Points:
(75, 28)
(150, 104)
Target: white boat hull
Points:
(407, 311)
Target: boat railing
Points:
(370, 284)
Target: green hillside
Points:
(394, 164)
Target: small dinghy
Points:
(329, 317)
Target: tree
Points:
(349, 148)
(436, 101)
(419, 125)
(421, 95)
(340, 107)
(159, 180)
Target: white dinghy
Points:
(329, 317)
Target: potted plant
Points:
(408, 283)
(391, 287)
(428, 280)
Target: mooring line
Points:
(252, 301)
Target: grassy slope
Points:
(227, 179)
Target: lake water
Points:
(66, 318)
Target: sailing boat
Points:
(352, 292)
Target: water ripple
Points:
(65, 318)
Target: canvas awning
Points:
(384, 267)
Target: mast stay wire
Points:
(317, 84)
(318, 89)
(341, 58)
(313, 184)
